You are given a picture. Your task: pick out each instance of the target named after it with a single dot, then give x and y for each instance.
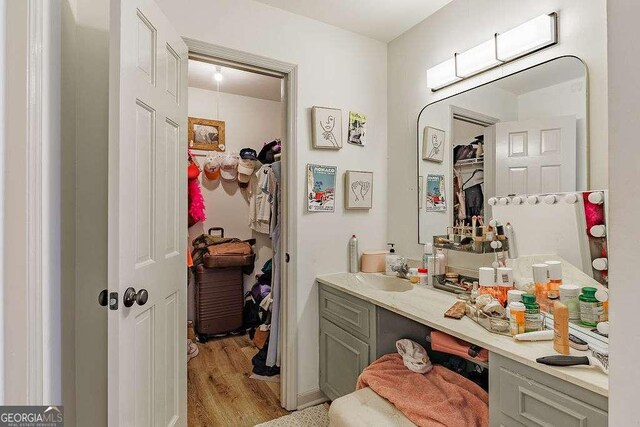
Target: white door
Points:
(147, 217)
(536, 156)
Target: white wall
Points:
(463, 24)
(568, 100)
(249, 123)
(336, 68)
(624, 175)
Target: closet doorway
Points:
(240, 368)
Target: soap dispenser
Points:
(392, 259)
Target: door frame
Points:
(288, 242)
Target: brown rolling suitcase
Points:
(220, 291)
(219, 301)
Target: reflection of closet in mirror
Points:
(470, 133)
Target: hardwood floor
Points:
(219, 390)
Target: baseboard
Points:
(311, 398)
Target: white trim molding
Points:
(34, 150)
(288, 335)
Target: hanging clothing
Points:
(259, 204)
(273, 351)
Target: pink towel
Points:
(438, 398)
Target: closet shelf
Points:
(469, 162)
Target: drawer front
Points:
(533, 404)
(343, 357)
(350, 313)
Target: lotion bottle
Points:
(560, 328)
(392, 259)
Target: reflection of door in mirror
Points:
(536, 156)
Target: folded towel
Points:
(438, 398)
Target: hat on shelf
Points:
(245, 170)
(212, 167)
(249, 154)
(229, 167)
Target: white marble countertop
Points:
(427, 306)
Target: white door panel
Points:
(536, 156)
(147, 216)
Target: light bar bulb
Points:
(442, 74)
(528, 37)
(477, 59)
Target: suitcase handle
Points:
(220, 229)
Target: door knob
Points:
(103, 298)
(131, 296)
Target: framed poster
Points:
(321, 188)
(358, 191)
(433, 144)
(357, 129)
(435, 198)
(326, 128)
(206, 134)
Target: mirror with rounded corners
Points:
(526, 133)
(523, 134)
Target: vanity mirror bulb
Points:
(600, 264)
(493, 201)
(517, 200)
(597, 197)
(532, 200)
(504, 201)
(571, 198)
(496, 244)
(598, 231)
(551, 199)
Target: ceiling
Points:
(382, 20)
(548, 74)
(234, 81)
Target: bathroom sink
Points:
(382, 283)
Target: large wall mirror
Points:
(488, 151)
(523, 134)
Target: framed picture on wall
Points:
(326, 128)
(433, 144)
(358, 191)
(206, 134)
(321, 188)
(435, 198)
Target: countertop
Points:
(427, 305)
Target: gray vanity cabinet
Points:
(354, 333)
(522, 396)
(347, 340)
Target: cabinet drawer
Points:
(535, 404)
(343, 357)
(350, 313)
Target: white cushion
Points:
(365, 408)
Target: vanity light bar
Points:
(520, 41)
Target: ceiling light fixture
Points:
(520, 41)
(218, 75)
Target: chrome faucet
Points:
(402, 269)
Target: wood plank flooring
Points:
(219, 390)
